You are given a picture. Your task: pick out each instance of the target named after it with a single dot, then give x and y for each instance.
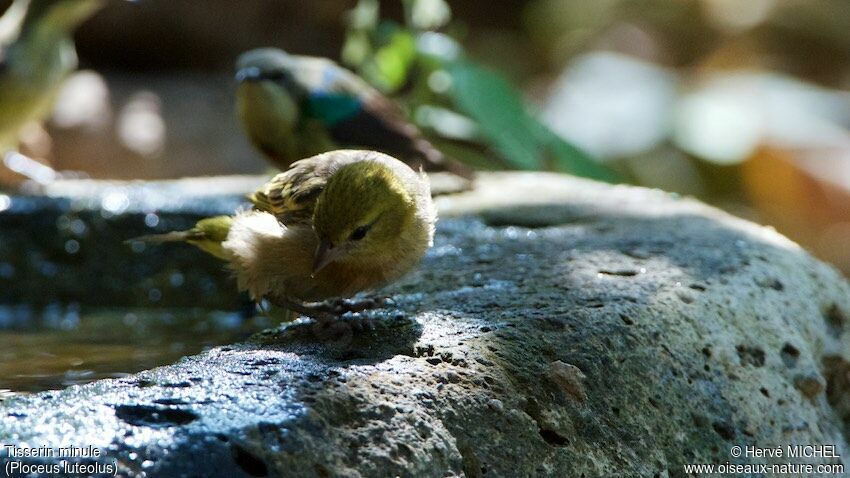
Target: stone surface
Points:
(557, 328)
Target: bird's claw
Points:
(332, 310)
(343, 306)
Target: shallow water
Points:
(58, 346)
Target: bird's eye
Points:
(275, 75)
(359, 233)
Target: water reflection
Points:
(60, 346)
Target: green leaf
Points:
(507, 125)
(356, 49)
(390, 64)
(565, 157)
(495, 105)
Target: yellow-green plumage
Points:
(270, 116)
(207, 235)
(330, 226)
(36, 54)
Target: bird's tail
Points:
(435, 160)
(173, 236)
(207, 235)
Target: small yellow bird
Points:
(36, 54)
(329, 227)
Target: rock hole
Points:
(154, 417)
(553, 438)
(750, 355)
(619, 272)
(810, 385)
(698, 287)
(699, 420)
(626, 320)
(685, 297)
(836, 370)
(263, 361)
(835, 320)
(724, 429)
(764, 392)
(471, 465)
(770, 283)
(530, 217)
(706, 351)
(249, 462)
(790, 355)
(182, 384)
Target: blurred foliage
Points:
(431, 74)
(506, 124)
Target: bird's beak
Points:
(325, 254)
(249, 73)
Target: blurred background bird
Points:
(329, 227)
(36, 53)
(296, 106)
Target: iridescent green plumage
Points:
(296, 106)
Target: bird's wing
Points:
(291, 195)
(335, 93)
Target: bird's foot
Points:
(337, 308)
(361, 304)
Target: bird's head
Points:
(266, 104)
(361, 216)
(264, 64)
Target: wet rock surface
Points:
(557, 328)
